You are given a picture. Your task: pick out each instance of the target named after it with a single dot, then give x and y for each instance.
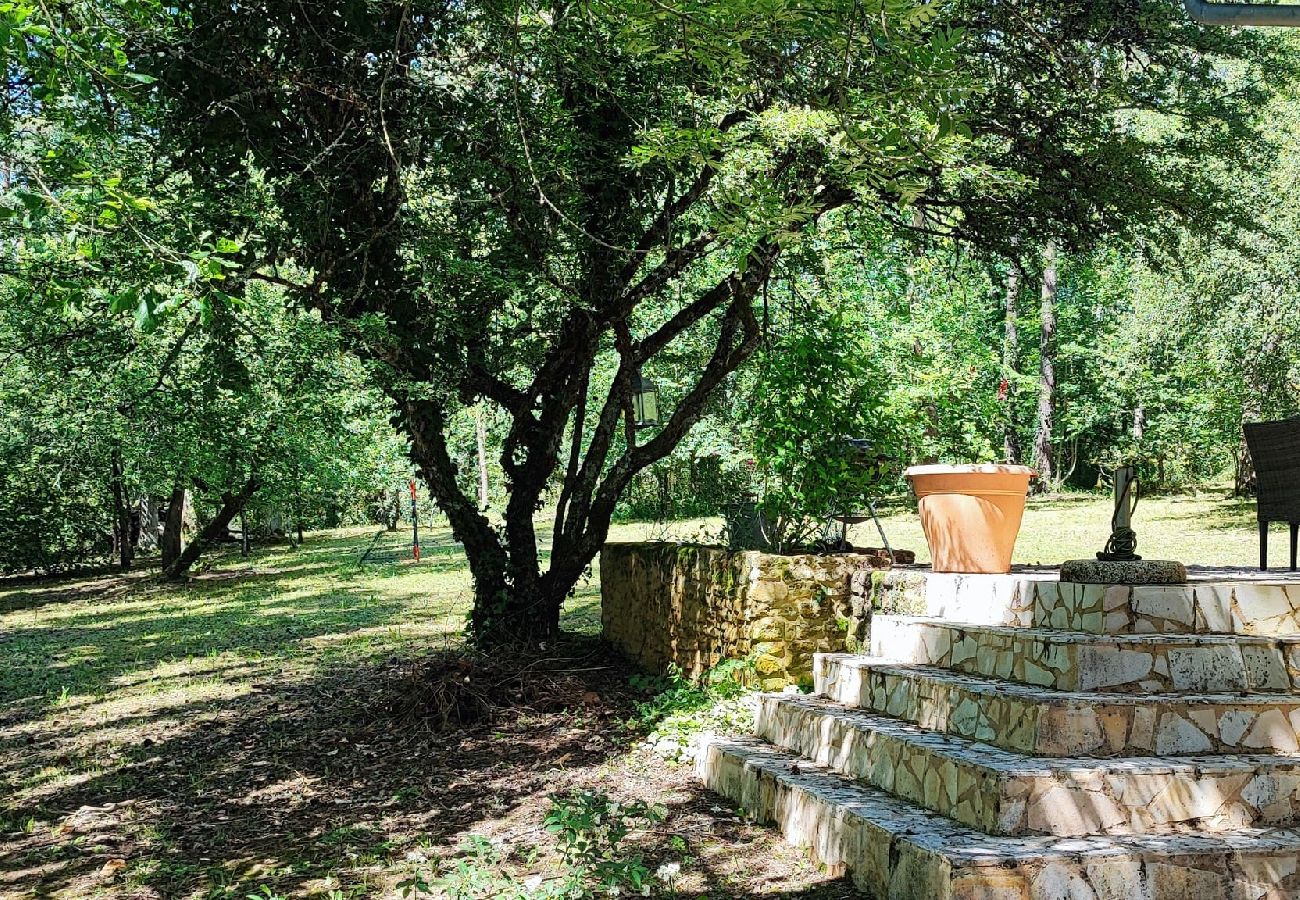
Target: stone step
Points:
(1205, 605)
(1040, 722)
(1000, 792)
(1079, 661)
(896, 851)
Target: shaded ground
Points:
(262, 729)
(256, 729)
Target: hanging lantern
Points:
(645, 401)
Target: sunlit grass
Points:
(1204, 529)
(96, 672)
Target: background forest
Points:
(1070, 363)
(925, 348)
(1052, 278)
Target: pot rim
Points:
(970, 469)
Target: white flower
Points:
(668, 871)
(533, 882)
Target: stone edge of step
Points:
(966, 847)
(1009, 764)
(1036, 694)
(1070, 636)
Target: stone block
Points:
(1111, 572)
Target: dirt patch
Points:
(457, 690)
(355, 778)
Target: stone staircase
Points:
(1034, 740)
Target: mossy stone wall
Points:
(696, 606)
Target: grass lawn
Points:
(260, 729)
(1204, 530)
(261, 726)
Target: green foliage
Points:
(591, 829)
(683, 710)
(817, 385)
(265, 893)
(271, 395)
(591, 832)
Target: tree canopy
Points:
(507, 212)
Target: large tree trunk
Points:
(1010, 359)
(150, 524)
(122, 542)
(514, 601)
(232, 504)
(174, 527)
(1043, 459)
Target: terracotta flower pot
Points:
(971, 514)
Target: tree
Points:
(1010, 361)
(527, 206)
(495, 205)
(1046, 370)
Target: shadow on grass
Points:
(269, 604)
(334, 776)
(340, 776)
(88, 654)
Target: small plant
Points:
(591, 829)
(265, 893)
(682, 710)
(478, 873)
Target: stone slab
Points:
(894, 850)
(1042, 722)
(1126, 571)
(1081, 661)
(1000, 792)
(1212, 602)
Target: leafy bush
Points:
(815, 387)
(592, 828)
(51, 519)
(682, 487)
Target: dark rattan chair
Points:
(1275, 454)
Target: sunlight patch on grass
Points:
(1203, 529)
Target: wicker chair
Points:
(1275, 454)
